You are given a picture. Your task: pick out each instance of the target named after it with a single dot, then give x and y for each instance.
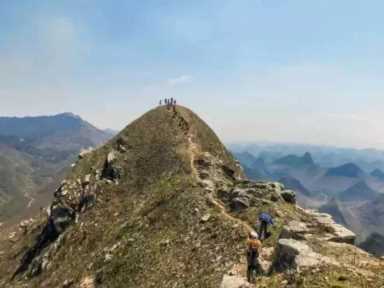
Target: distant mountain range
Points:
(33, 154)
(294, 161)
(378, 174)
(351, 194)
(358, 192)
(350, 170)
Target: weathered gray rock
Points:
(85, 152)
(87, 179)
(289, 196)
(342, 234)
(110, 171)
(240, 203)
(337, 232)
(278, 187)
(111, 157)
(67, 283)
(205, 218)
(297, 255)
(295, 230)
(234, 281)
(265, 260)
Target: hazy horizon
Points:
(284, 72)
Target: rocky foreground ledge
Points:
(311, 245)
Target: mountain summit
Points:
(164, 204)
(34, 153)
(296, 161)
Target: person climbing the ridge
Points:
(253, 251)
(265, 220)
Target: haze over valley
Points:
(191, 144)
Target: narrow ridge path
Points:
(193, 151)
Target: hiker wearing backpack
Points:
(265, 220)
(253, 251)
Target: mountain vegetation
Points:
(164, 204)
(34, 155)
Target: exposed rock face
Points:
(265, 260)
(297, 255)
(289, 196)
(295, 230)
(110, 170)
(338, 233)
(247, 193)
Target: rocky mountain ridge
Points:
(164, 204)
(34, 155)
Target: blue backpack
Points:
(265, 217)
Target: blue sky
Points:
(277, 70)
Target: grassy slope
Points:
(155, 215)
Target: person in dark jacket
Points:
(265, 220)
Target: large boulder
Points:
(265, 260)
(295, 229)
(297, 255)
(289, 196)
(239, 204)
(336, 232)
(110, 171)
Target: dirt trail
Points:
(193, 150)
(223, 211)
(31, 200)
(238, 269)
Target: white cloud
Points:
(182, 79)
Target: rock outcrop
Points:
(297, 255)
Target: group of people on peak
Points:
(169, 103)
(254, 245)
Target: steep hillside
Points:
(164, 204)
(34, 152)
